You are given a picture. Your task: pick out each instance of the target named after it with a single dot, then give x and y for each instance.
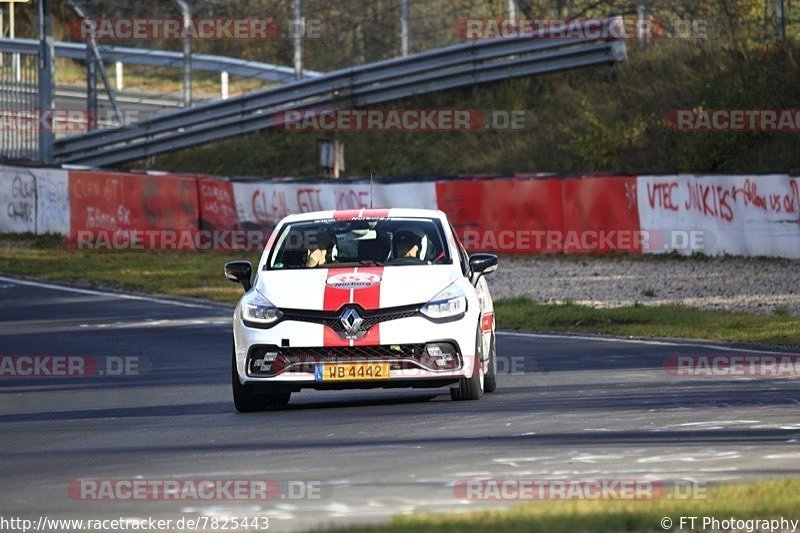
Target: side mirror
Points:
(240, 272)
(483, 263)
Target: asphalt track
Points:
(567, 407)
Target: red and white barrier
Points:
(544, 215)
(503, 214)
(263, 204)
(603, 208)
(34, 201)
(734, 215)
(18, 201)
(526, 213)
(119, 203)
(52, 202)
(217, 205)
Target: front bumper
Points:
(289, 353)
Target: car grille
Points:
(336, 325)
(400, 356)
(332, 319)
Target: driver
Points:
(407, 244)
(321, 251)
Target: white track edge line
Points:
(567, 336)
(94, 292)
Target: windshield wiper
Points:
(366, 262)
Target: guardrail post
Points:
(512, 9)
(119, 67)
(641, 33)
(780, 20)
(16, 65)
(223, 81)
(186, 10)
(46, 80)
(91, 90)
(404, 27)
(299, 26)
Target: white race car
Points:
(362, 299)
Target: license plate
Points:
(351, 371)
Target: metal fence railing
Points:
(19, 117)
(163, 58)
(21, 121)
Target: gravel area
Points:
(730, 283)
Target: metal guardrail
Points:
(163, 58)
(430, 71)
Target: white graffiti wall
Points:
(734, 215)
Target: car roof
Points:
(367, 213)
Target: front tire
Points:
(248, 400)
(472, 388)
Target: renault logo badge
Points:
(351, 321)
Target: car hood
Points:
(371, 287)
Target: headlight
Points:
(256, 308)
(450, 303)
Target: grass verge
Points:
(184, 274)
(199, 275)
(650, 321)
(158, 80)
(762, 500)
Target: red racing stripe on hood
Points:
(369, 298)
(334, 298)
(350, 214)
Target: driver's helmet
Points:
(405, 238)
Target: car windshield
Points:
(359, 242)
